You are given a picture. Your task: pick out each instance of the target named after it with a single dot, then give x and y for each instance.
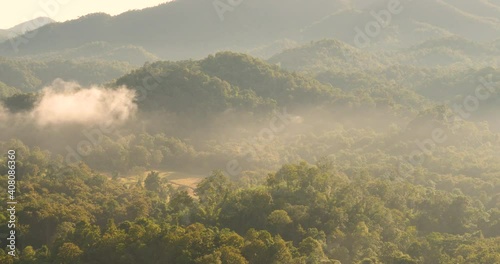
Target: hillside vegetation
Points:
(265, 135)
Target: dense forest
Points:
(276, 140)
(338, 183)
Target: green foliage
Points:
(20, 102)
(152, 182)
(301, 214)
(360, 116)
(224, 81)
(7, 91)
(30, 75)
(100, 51)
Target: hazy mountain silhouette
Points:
(192, 29)
(24, 27)
(324, 54)
(30, 75)
(3, 34)
(101, 51)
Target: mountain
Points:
(441, 70)
(24, 27)
(222, 81)
(31, 75)
(31, 25)
(329, 54)
(101, 51)
(167, 30)
(325, 54)
(459, 44)
(449, 51)
(290, 143)
(4, 34)
(414, 22)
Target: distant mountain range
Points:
(331, 54)
(24, 27)
(185, 29)
(101, 51)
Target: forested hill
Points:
(372, 193)
(329, 54)
(31, 75)
(255, 132)
(24, 27)
(4, 34)
(222, 81)
(211, 26)
(338, 165)
(443, 70)
(167, 31)
(318, 56)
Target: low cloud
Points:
(69, 103)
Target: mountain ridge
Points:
(24, 27)
(162, 30)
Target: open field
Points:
(175, 178)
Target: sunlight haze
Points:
(16, 12)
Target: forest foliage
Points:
(322, 153)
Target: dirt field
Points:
(177, 179)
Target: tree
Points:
(28, 255)
(20, 102)
(312, 250)
(180, 207)
(279, 220)
(153, 182)
(230, 255)
(212, 193)
(6, 258)
(69, 253)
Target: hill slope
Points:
(324, 54)
(226, 80)
(31, 75)
(101, 51)
(192, 29)
(24, 27)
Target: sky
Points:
(15, 12)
